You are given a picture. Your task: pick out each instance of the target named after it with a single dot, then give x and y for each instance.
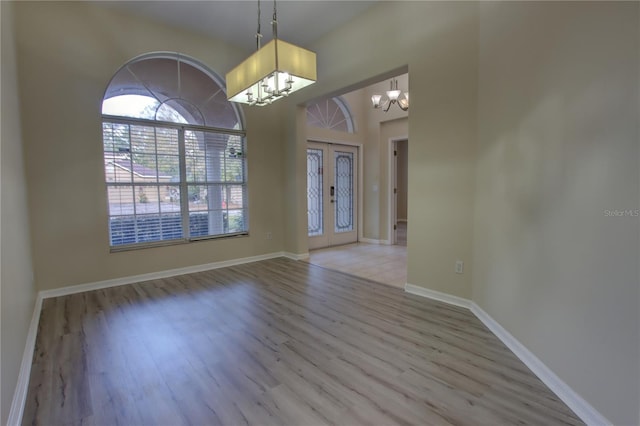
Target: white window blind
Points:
(173, 182)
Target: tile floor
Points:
(382, 263)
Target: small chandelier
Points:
(393, 96)
(275, 70)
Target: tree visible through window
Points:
(174, 154)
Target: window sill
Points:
(141, 246)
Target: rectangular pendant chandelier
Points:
(277, 69)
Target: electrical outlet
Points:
(268, 236)
(459, 268)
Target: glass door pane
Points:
(332, 194)
(344, 179)
(314, 192)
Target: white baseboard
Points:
(22, 386)
(294, 256)
(582, 408)
(64, 291)
(436, 295)
(374, 241)
(574, 401)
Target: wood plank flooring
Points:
(277, 342)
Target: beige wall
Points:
(438, 44)
(67, 53)
(558, 147)
(295, 164)
(17, 293)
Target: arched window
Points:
(333, 114)
(173, 154)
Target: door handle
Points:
(332, 191)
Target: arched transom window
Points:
(332, 113)
(174, 150)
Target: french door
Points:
(332, 194)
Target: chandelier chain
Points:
(274, 22)
(258, 33)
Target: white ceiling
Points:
(299, 21)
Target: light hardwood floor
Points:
(277, 342)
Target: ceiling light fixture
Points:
(275, 70)
(393, 96)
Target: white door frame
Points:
(359, 180)
(391, 184)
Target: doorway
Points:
(398, 201)
(332, 194)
